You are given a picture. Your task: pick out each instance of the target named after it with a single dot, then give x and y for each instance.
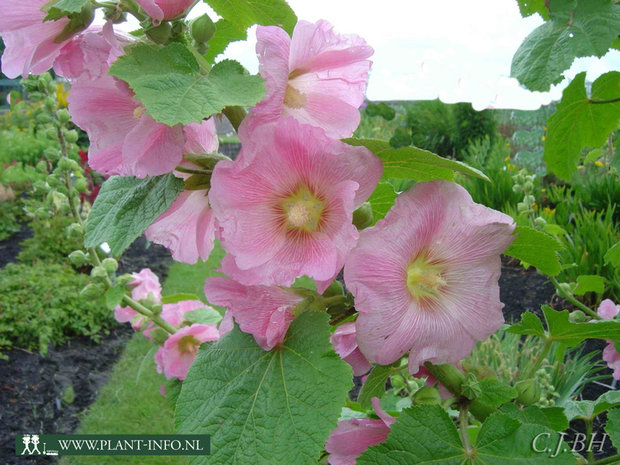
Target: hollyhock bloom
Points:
(164, 9)
(227, 324)
(177, 354)
(30, 46)
(175, 313)
(352, 437)
(345, 345)
(145, 283)
(286, 210)
(266, 312)
(608, 311)
(317, 76)
(425, 277)
(90, 54)
(124, 139)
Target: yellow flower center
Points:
(188, 344)
(293, 98)
(424, 279)
(138, 112)
(303, 210)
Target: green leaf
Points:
(374, 386)
(225, 33)
(588, 409)
(612, 256)
(425, 434)
(560, 329)
(589, 29)
(262, 407)
(176, 90)
(537, 249)
(414, 163)
(494, 394)
(530, 7)
(613, 428)
(589, 283)
(113, 296)
(204, 316)
(382, 200)
(245, 13)
(593, 155)
(70, 6)
(579, 123)
(552, 417)
(126, 206)
(175, 298)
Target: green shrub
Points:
(22, 145)
(50, 242)
(471, 126)
(41, 305)
(10, 218)
(432, 126)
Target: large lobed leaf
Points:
(262, 407)
(126, 206)
(245, 13)
(537, 249)
(175, 89)
(426, 435)
(583, 28)
(225, 33)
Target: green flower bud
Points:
(75, 230)
(51, 133)
(110, 265)
(528, 186)
(540, 222)
(43, 213)
(517, 188)
(50, 103)
(98, 273)
(51, 153)
(53, 180)
(427, 395)
(79, 258)
(64, 164)
(529, 199)
(397, 381)
(42, 167)
(64, 116)
(92, 290)
(72, 136)
(202, 29)
(44, 118)
(564, 289)
(334, 289)
(124, 279)
(40, 186)
(363, 216)
(577, 316)
(528, 391)
(471, 387)
(81, 185)
(160, 34)
(521, 207)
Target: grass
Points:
(129, 404)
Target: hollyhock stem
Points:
(131, 7)
(607, 461)
(463, 424)
(182, 169)
(574, 301)
(235, 115)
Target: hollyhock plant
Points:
(145, 285)
(175, 313)
(608, 311)
(177, 354)
(352, 437)
(30, 42)
(286, 210)
(345, 345)
(266, 312)
(164, 9)
(124, 139)
(425, 277)
(317, 76)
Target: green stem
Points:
(131, 7)
(539, 359)
(235, 115)
(614, 459)
(574, 301)
(463, 424)
(182, 169)
(611, 100)
(159, 321)
(588, 437)
(343, 316)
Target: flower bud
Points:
(521, 207)
(528, 391)
(564, 289)
(576, 316)
(44, 118)
(81, 185)
(92, 290)
(363, 216)
(202, 29)
(98, 273)
(42, 167)
(517, 188)
(71, 136)
(110, 265)
(427, 395)
(528, 186)
(75, 230)
(77, 23)
(51, 153)
(79, 258)
(540, 222)
(51, 133)
(124, 279)
(334, 289)
(64, 116)
(160, 34)
(471, 387)
(43, 213)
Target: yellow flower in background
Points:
(580, 167)
(549, 211)
(61, 95)
(543, 138)
(507, 158)
(598, 163)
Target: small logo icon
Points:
(31, 446)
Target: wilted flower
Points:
(425, 277)
(266, 312)
(317, 76)
(286, 209)
(345, 345)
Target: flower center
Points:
(424, 279)
(293, 98)
(303, 210)
(138, 112)
(188, 344)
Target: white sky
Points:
(424, 49)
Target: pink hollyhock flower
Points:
(227, 324)
(177, 354)
(164, 9)
(425, 277)
(317, 76)
(266, 312)
(352, 437)
(124, 139)
(30, 46)
(345, 345)
(145, 283)
(286, 210)
(175, 313)
(90, 54)
(608, 310)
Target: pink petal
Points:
(176, 362)
(352, 437)
(608, 310)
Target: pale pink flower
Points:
(317, 76)
(345, 345)
(164, 9)
(227, 324)
(179, 351)
(352, 437)
(608, 310)
(30, 46)
(425, 277)
(286, 210)
(266, 312)
(175, 313)
(145, 284)
(124, 139)
(90, 54)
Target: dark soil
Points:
(10, 247)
